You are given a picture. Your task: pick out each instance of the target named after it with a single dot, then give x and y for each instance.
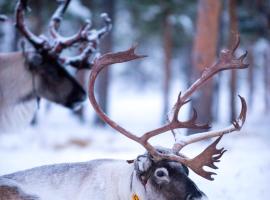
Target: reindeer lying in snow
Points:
(40, 73)
(160, 174)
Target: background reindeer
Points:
(159, 174)
(40, 72)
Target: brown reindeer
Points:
(40, 72)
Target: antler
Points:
(63, 42)
(211, 154)
(85, 36)
(36, 41)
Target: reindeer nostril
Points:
(160, 173)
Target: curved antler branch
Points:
(226, 61)
(211, 154)
(99, 64)
(64, 42)
(236, 126)
(84, 35)
(108, 25)
(82, 61)
(57, 17)
(37, 42)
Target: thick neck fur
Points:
(15, 85)
(95, 180)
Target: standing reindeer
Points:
(159, 174)
(40, 73)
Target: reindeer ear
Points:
(143, 163)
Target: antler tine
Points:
(85, 35)
(175, 123)
(211, 154)
(207, 158)
(226, 61)
(99, 64)
(37, 42)
(57, 17)
(64, 42)
(236, 44)
(82, 61)
(91, 40)
(80, 36)
(236, 126)
(192, 121)
(108, 25)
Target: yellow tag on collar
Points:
(135, 197)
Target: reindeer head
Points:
(164, 178)
(46, 62)
(52, 82)
(166, 170)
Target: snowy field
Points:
(243, 172)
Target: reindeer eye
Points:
(161, 172)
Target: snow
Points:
(59, 137)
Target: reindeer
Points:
(159, 174)
(40, 72)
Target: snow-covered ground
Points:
(243, 172)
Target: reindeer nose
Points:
(75, 106)
(76, 99)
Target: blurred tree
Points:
(266, 72)
(37, 22)
(170, 23)
(82, 75)
(204, 53)
(254, 24)
(251, 84)
(7, 8)
(233, 29)
(263, 7)
(106, 46)
(167, 47)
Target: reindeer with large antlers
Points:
(40, 72)
(160, 174)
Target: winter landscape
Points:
(139, 93)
